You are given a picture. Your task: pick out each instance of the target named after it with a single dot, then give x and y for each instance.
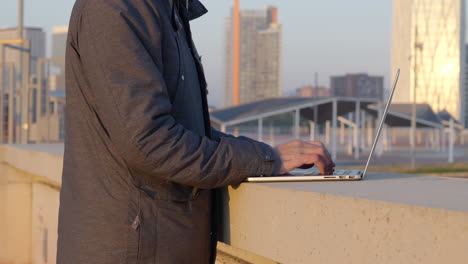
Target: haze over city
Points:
(353, 38)
(124, 160)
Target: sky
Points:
(329, 37)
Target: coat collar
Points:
(195, 8)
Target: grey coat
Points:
(141, 159)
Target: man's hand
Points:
(299, 153)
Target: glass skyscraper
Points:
(429, 47)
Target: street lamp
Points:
(418, 47)
(24, 76)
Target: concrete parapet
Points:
(388, 218)
(45, 161)
(229, 255)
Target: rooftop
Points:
(275, 106)
(400, 115)
(25, 28)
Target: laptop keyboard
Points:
(342, 172)
(315, 172)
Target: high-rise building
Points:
(49, 125)
(59, 44)
(13, 60)
(253, 55)
(358, 86)
(59, 41)
(37, 39)
(465, 97)
(429, 46)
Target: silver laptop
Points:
(306, 175)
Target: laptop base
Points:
(299, 175)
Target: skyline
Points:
(335, 41)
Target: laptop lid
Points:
(382, 121)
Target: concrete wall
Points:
(45, 205)
(385, 219)
(388, 218)
(15, 217)
(29, 204)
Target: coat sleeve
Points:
(218, 135)
(132, 103)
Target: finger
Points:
(319, 161)
(294, 158)
(321, 145)
(322, 151)
(292, 161)
(328, 163)
(306, 166)
(293, 145)
(328, 155)
(323, 163)
(309, 147)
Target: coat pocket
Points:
(146, 227)
(141, 238)
(184, 235)
(133, 231)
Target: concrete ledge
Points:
(385, 219)
(45, 161)
(388, 218)
(451, 175)
(229, 254)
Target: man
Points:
(141, 159)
